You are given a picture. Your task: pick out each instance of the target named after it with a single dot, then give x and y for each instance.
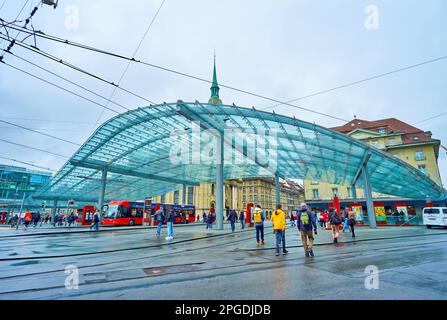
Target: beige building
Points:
(393, 136)
(238, 193)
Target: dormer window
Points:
(382, 131)
(415, 138)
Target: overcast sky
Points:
(277, 48)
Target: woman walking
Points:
(335, 222)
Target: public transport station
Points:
(153, 150)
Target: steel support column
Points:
(184, 193)
(219, 182)
(53, 211)
(277, 191)
(369, 199)
(102, 190)
(354, 192)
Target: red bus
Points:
(124, 213)
(183, 213)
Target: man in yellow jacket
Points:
(279, 227)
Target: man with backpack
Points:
(159, 216)
(279, 227)
(258, 219)
(232, 217)
(307, 225)
(335, 221)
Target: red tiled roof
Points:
(391, 125)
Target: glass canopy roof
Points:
(153, 150)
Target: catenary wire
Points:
(34, 148)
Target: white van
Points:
(436, 216)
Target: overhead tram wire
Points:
(69, 81)
(15, 20)
(71, 43)
(82, 46)
(129, 62)
(27, 163)
(431, 118)
(41, 133)
(51, 57)
(349, 84)
(34, 148)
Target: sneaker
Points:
(277, 254)
(336, 240)
(168, 238)
(285, 252)
(307, 254)
(262, 243)
(258, 244)
(311, 253)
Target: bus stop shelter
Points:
(152, 150)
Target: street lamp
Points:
(50, 3)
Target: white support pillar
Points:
(184, 194)
(54, 211)
(102, 191)
(369, 199)
(277, 190)
(234, 197)
(219, 183)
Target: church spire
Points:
(214, 99)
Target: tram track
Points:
(270, 263)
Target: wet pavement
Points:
(132, 263)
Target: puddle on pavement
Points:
(25, 263)
(158, 271)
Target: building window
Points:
(315, 193)
(163, 198)
(391, 141)
(244, 198)
(349, 192)
(191, 195)
(420, 155)
(212, 189)
(415, 138)
(251, 198)
(314, 183)
(255, 198)
(382, 131)
(334, 191)
(176, 197)
(422, 168)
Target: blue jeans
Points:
(279, 239)
(345, 225)
(159, 225)
(243, 224)
(170, 229)
(95, 225)
(232, 225)
(260, 231)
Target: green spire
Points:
(214, 99)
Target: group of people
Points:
(306, 223)
(233, 217)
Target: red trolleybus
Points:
(124, 213)
(183, 213)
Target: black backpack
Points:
(335, 219)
